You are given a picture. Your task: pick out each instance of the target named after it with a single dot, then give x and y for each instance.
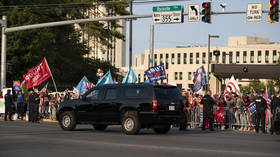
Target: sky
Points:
(196, 33)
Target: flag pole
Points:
(51, 74)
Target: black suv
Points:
(134, 106)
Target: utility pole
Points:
(208, 67)
(130, 34)
(3, 54)
(151, 59)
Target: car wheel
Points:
(100, 127)
(67, 121)
(130, 123)
(162, 130)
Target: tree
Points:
(60, 45)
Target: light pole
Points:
(208, 71)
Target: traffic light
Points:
(206, 12)
(273, 11)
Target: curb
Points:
(49, 120)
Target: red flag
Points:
(38, 74)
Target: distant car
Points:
(133, 106)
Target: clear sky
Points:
(196, 33)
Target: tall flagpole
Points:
(51, 74)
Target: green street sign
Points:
(167, 8)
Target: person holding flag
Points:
(208, 103)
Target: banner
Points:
(106, 79)
(38, 74)
(232, 86)
(156, 73)
(83, 86)
(16, 86)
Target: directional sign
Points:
(168, 14)
(254, 12)
(194, 14)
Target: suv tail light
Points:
(154, 106)
(185, 104)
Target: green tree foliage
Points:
(61, 46)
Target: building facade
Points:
(181, 63)
(116, 54)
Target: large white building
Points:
(181, 63)
(116, 54)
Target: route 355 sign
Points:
(168, 14)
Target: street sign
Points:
(168, 14)
(254, 12)
(194, 13)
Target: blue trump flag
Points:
(82, 86)
(199, 79)
(156, 73)
(130, 77)
(106, 79)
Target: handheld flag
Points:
(44, 89)
(199, 79)
(83, 86)
(130, 77)
(106, 79)
(38, 74)
(16, 86)
(156, 73)
(232, 86)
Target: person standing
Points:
(8, 105)
(274, 104)
(34, 101)
(20, 105)
(260, 112)
(208, 103)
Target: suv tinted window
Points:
(111, 94)
(136, 92)
(167, 93)
(93, 95)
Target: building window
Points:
(244, 56)
(180, 75)
(217, 59)
(185, 58)
(266, 56)
(155, 59)
(237, 57)
(259, 56)
(139, 78)
(224, 58)
(230, 57)
(197, 58)
(210, 58)
(203, 58)
(190, 76)
(176, 76)
(191, 58)
(161, 59)
(178, 58)
(166, 61)
(252, 56)
(274, 56)
(172, 58)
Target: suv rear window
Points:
(167, 93)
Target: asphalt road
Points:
(46, 139)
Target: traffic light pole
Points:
(3, 54)
(151, 58)
(130, 34)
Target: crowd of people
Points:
(232, 111)
(226, 111)
(37, 105)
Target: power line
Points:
(83, 5)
